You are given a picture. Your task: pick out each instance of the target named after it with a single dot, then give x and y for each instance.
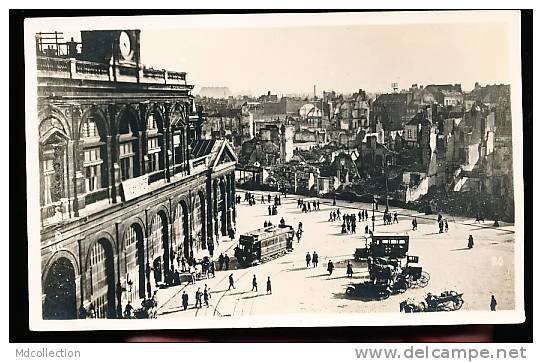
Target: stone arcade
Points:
(126, 182)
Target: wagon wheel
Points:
(423, 280)
(457, 303)
(385, 294)
(401, 285)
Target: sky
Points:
(293, 60)
(332, 57)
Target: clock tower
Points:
(111, 46)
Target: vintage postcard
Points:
(263, 170)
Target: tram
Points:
(261, 245)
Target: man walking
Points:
(414, 224)
(349, 270)
(184, 300)
(308, 259)
(231, 282)
(206, 295)
(314, 259)
(227, 261)
(268, 289)
(330, 267)
(254, 284)
(493, 303)
(198, 298)
(221, 261)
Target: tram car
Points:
(378, 246)
(261, 245)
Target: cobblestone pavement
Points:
(486, 269)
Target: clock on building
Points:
(125, 45)
(120, 46)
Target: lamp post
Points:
(373, 217)
(386, 175)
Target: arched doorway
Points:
(102, 279)
(222, 206)
(59, 291)
(160, 246)
(135, 263)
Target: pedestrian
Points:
(314, 259)
(366, 215)
(227, 262)
(360, 216)
(300, 226)
(221, 261)
(446, 225)
(366, 229)
(254, 284)
(198, 298)
(439, 218)
(334, 201)
(349, 269)
(183, 264)
(308, 259)
(440, 226)
(314, 205)
(330, 267)
(268, 198)
(298, 235)
(414, 224)
(282, 222)
(192, 274)
(395, 219)
(268, 289)
(184, 300)
(353, 228)
(128, 310)
(493, 303)
(262, 201)
(318, 204)
(265, 224)
(470, 244)
(206, 296)
(269, 210)
(231, 282)
(330, 216)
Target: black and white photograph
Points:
(274, 170)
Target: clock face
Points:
(125, 45)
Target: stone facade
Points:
(127, 184)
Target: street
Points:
(478, 273)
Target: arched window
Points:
(93, 165)
(128, 147)
(53, 167)
(154, 144)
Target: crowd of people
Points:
(349, 226)
(308, 206)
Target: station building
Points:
(126, 182)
